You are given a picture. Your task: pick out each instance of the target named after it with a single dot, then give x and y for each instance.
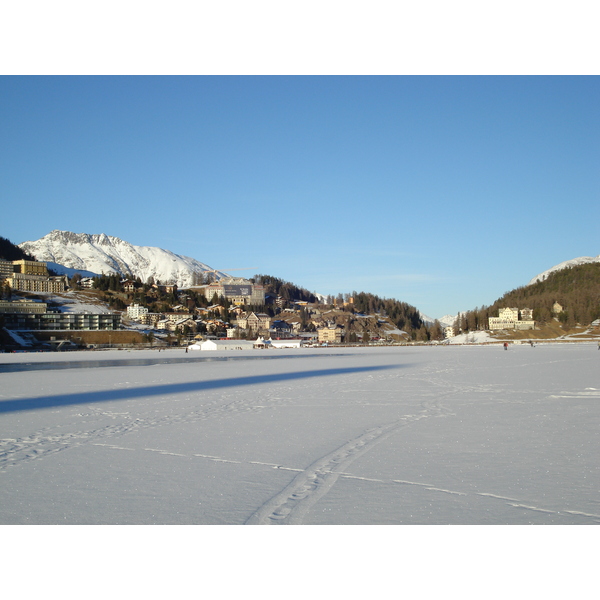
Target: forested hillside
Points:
(285, 289)
(9, 251)
(576, 289)
(405, 316)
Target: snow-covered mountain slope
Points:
(444, 321)
(426, 319)
(582, 260)
(447, 320)
(101, 253)
(62, 270)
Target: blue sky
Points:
(440, 191)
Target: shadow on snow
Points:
(133, 362)
(42, 402)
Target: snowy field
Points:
(463, 435)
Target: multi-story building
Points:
(6, 268)
(254, 322)
(86, 283)
(508, 318)
(236, 290)
(30, 267)
(63, 321)
(129, 285)
(24, 282)
(22, 307)
(508, 314)
(330, 334)
(180, 324)
(34, 316)
(135, 311)
(150, 319)
(170, 288)
(280, 329)
(176, 316)
(526, 314)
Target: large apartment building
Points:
(14, 307)
(6, 269)
(256, 322)
(331, 334)
(62, 321)
(30, 267)
(236, 290)
(512, 318)
(22, 282)
(30, 315)
(30, 276)
(136, 311)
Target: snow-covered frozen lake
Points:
(403, 435)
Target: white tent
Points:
(262, 343)
(226, 345)
(290, 343)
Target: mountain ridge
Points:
(101, 253)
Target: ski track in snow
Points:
(292, 504)
(295, 500)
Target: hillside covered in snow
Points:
(101, 253)
(582, 260)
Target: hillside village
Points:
(36, 303)
(39, 309)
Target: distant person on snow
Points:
(506, 345)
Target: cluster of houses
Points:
(251, 324)
(32, 276)
(239, 293)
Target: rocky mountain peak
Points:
(101, 253)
